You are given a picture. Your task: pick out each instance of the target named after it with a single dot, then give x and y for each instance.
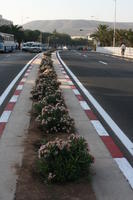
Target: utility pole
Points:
(114, 26)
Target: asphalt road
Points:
(110, 80)
(10, 65)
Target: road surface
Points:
(110, 80)
(10, 65)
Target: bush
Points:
(55, 119)
(61, 161)
(47, 80)
(49, 99)
(44, 86)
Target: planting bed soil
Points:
(29, 185)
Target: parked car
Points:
(26, 46)
(35, 48)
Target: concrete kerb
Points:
(108, 182)
(11, 142)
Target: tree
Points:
(45, 37)
(79, 42)
(59, 39)
(130, 37)
(18, 33)
(104, 35)
(30, 35)
(16, 30)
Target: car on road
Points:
(26, 46)
(36, 48)
(33, 47)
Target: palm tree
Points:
(104, 35)
(18, 33)
(130, 37)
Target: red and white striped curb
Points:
(114, 150)
(9, 107)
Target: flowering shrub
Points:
(49, 99)
(47, 75)
(47, 80)
(61, 161)
(46, 60)
(53, 99)
(55, 119)
(43, 68)
(58, 160)
(44, 87)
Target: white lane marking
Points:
(76, 92)
(26, 74)
(104, 63)
(30, 67)
(84, 105)
(70, 82)
(119, 133)
(66, 76)
(8, 89)
(14, 98)
(99, 128)
(29, 70)
(23, 80)
(20, 87)
(126, 168)
(5, 116)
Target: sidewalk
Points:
(108, 182)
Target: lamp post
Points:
(114, 25)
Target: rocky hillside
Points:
(72, 27)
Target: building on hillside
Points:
(78, 37)
(81, 36)
(4, 21)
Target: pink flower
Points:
(51, 176)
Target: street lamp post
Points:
(114, 25)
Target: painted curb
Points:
(4, 118)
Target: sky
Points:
(23, 11)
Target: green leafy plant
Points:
(56, 119)
(49, 99)
(44, 86)
(64, 160)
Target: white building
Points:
(83, 37)
(4, 21)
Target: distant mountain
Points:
(72, 27)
